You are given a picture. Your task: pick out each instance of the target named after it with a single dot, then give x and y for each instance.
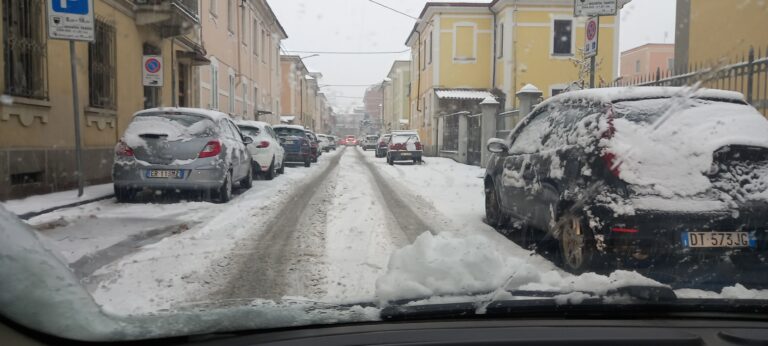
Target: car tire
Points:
(123, 194)
(247, 182)
(390, 161)
(307, 162)
(314, 159)
(494, 216)
(224, 193)
(576, 244)
(281, 170)
(271, 171)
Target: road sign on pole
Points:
(591, 30)
(72, 20)
(583, 8)
(152, 68)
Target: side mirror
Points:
(497, 145)
(247, 140)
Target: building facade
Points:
(36, 116)
(462, 53)
(647, 59)
(396, 106)
(242, 39)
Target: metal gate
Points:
(474, 139)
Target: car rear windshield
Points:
(405, 138)
(250, 131)
(372, 138)
(174, 125)
(648, 111)
(287, 131)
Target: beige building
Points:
(242, 39)
(294, 89)
(36, 116)
(396, 105)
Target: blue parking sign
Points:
(71, 6)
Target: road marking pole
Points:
(76, 112)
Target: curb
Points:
(30, 215)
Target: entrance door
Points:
(474, 139)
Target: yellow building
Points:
(242, 39)
(36, 115)
(395, 105)
(462, 53)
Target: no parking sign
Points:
(591, 29)
(152, 68)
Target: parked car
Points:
(324, 142)
(351, 140)
(635, 177)
(185, 149)
(296, 143)
(332, 142)
(383, 144)
(404, 146)
(314, 145)
(370, 142)
(266, 150)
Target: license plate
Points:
(405, 154)
(289, 142)
(165, 173)
(718, 239)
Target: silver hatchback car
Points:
(181, 149)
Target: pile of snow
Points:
(671, 158)
(465, 264)
(57, 199)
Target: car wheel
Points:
(123, 194)
(314, 159)
(577, 245)
(307, 162)
(271, 172)
(494, 216)
(247, 182)
(281, 170)
(225, 191)
(390, 161)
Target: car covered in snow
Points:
(383, 145)
(314, 144)
(325, 142)
(370, 142)
(180, 149)
(298, 147)
(635, 176)
(266, 150)
(404, 146)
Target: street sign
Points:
(153, 70)
(583, 8)
(591, 30)
(71, 20)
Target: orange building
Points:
(647, 59)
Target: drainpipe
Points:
(495, 39)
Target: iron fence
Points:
(102, 68)
(451, 132)
(748, 76)
(24, 48)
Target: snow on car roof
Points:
(608, 95)
(295, 127)
(211, 114)
(253, 123)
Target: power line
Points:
(346, 53)
(394, 10)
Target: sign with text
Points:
(71, 20)
(583, 8)
(591, 30)
(152, 68)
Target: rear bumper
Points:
(404, 155)
(134, 176)
(296, 157)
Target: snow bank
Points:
(461, 264)
(51, 200)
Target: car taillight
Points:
(213, 148)
(122, 149)
(263, 144)
(418, 145)
(623, 230)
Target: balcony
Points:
(172, 17)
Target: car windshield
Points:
(200, 169)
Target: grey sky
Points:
(359, 25)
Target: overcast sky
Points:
(360, 25)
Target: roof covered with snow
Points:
(297, 127)
(643, 92)
(214, 115)
(462, 94)
(252, 123)
(287, 118)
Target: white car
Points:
(324, 142)
(266, 150)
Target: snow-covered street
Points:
(350, 229)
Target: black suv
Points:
(634, 176)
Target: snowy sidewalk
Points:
(35, 205)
